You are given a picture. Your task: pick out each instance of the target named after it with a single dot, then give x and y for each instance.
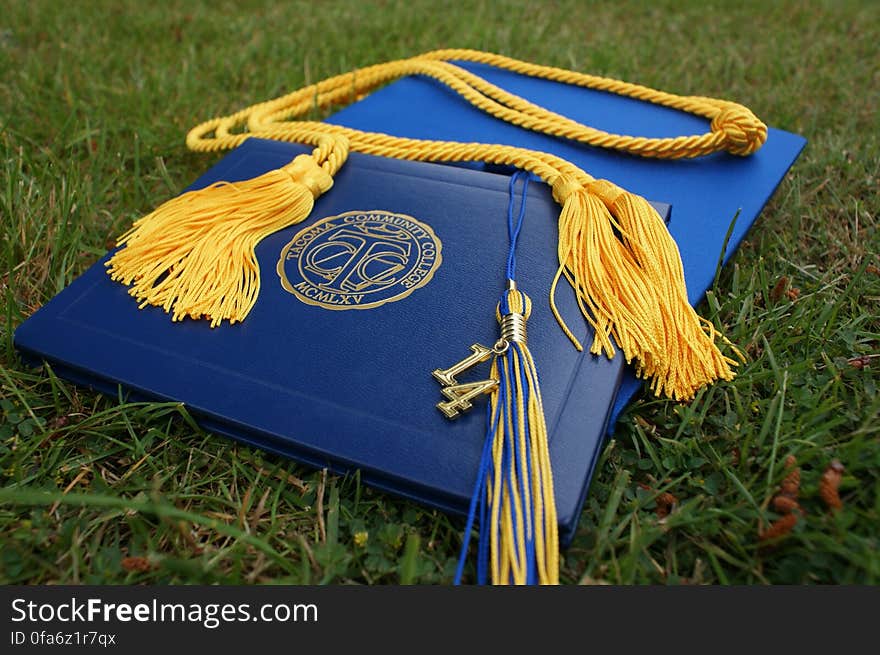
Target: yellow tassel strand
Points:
(613, 248)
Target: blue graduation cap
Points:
(372, 266)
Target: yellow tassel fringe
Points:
(194, 255)
(631, 288)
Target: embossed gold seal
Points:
(359, 260)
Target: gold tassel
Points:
(617, 254)
(194, 255)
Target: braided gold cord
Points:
(733, 127)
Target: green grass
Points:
(94, 102)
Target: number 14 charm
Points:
(460, 394)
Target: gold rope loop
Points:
(734, 128)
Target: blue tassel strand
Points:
(513, 494)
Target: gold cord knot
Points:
(564, 187)
(305, 170)
(606, 191)
(744, 133)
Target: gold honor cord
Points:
(194, 255)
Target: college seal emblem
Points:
(359, 260)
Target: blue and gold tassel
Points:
(513, 495)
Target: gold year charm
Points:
(461, 394)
